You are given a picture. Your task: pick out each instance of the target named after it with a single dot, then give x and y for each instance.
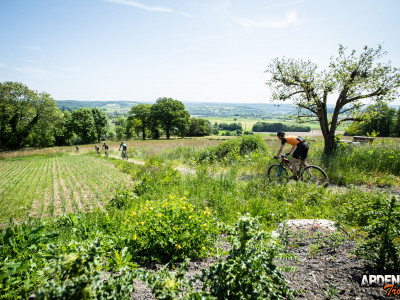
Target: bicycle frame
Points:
(288, 163)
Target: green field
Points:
(44, 186)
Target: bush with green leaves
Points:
(381, 248)
(168, 230)
(248, 272)
(77, 276)
(232, 149)
(21, 262)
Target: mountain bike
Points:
(106, 152)
(278, 173)
(124, 155)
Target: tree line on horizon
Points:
(32, 119)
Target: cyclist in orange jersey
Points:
(299, 146)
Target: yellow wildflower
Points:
(142, 223)
(134, 237)
(204, 248)
(178, 246)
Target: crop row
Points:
(54, 185)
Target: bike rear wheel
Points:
(315, 175)
(278, 174)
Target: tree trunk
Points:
(144, 133)
(167, 132)
(329, 144)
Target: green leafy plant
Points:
(248, 272)
(77, 276)
(170, 230)
(381, 248)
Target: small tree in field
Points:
(350, 78)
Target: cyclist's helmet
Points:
(280, 133)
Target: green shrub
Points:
(170, 230)
(122, 198)
(248, 272)
(21, 262)
(232, 149)
(77, 276)
(381, 248)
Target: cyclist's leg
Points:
(294, 166)
(304, 153)
(296, 155)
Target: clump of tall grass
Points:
(376, 163)
(231, 149)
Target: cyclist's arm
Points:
(280, 150)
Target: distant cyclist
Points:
(105, 147)
(97, 149)
(77, 148)
(299, 146)
(124, 148)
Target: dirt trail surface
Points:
(324, 272)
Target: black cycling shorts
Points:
(301, 151)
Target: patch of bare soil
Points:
(323, 263)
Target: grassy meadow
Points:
(169, 202)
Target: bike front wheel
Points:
(278, 174)
(315, 175)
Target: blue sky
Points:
(207, 50)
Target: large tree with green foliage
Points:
(140, 117)
(171, 114)
(43, 133)
(199, 127)
(350, 78)
(83, 125)
(100, 122)
(27, 118)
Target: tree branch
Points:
(308, 108)
(350, 119)
(378, 92)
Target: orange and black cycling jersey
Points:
(292, 140)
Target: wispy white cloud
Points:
(2, 65)
(35, 48)
(32, 71)
(150, 8)
(291, 19)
